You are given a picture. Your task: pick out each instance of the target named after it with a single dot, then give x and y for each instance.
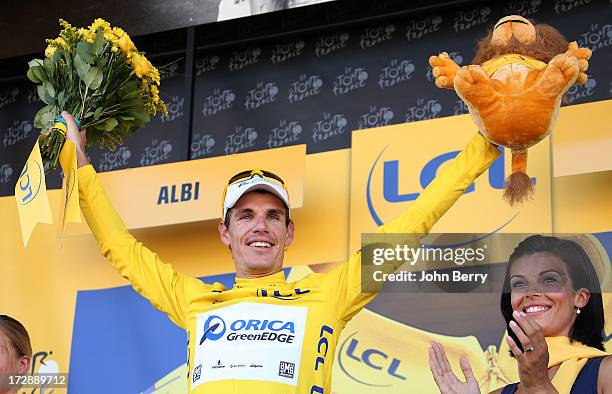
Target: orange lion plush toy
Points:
(514, 88)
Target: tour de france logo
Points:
(29, 182)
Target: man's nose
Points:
(260, 224)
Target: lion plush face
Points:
(513, 26)
(515, 34)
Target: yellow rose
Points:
(110, 36)
(99, 23)
(118, 32)
(126, 45)
(50, 51)
(142, 65)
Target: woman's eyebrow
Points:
(552, 270)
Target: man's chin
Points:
(261, 265)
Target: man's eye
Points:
(246, 216)
(273, 217)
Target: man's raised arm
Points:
(165, 288)
(446, 188)
(449, 184)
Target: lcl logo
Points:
(391, 179)
(352, 351)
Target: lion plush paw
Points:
(474, 86)
(561, 73)
(583, 55)
(443, 70)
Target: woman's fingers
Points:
(442, 359)
(467, 369)
(435, 367)
(518, 354)
(531, 328)
(524, 323)
(524, 339)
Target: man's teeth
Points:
(261, 244)
(533, 309)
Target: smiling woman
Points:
(553, 281)
(552, 303)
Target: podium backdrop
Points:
(340, 114)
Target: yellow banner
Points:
(68, 161)
(583, 139)
(31, 195)
(191, 191)
(391, 165)
(31, 190)
(378, 353)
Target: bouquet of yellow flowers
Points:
(98, 75)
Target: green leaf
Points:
(99, 43)
(93, 78)
(40, 73)
(61, 100)
(44, 94)
(98, 113)
(85, 52)
(56, 56)
(32, 75)
(81, 66)
(141, 117)
(49, 87)
(110, 124)
(35, 62)
(127, 117)
(128, 87)
(43, 115)
(49, 66)
(132, 95)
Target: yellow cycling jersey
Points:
(265, 334)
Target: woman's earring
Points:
(285, 247)
(578, 311)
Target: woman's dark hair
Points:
(17, 335)
(589, 326)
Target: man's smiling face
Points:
(257, 234)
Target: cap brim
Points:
(234, 195)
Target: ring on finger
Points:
(529, 348)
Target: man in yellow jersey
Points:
(264, 334)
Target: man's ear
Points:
(224, 233)
(290, 233)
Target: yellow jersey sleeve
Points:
(449, 184)
(155, 280)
